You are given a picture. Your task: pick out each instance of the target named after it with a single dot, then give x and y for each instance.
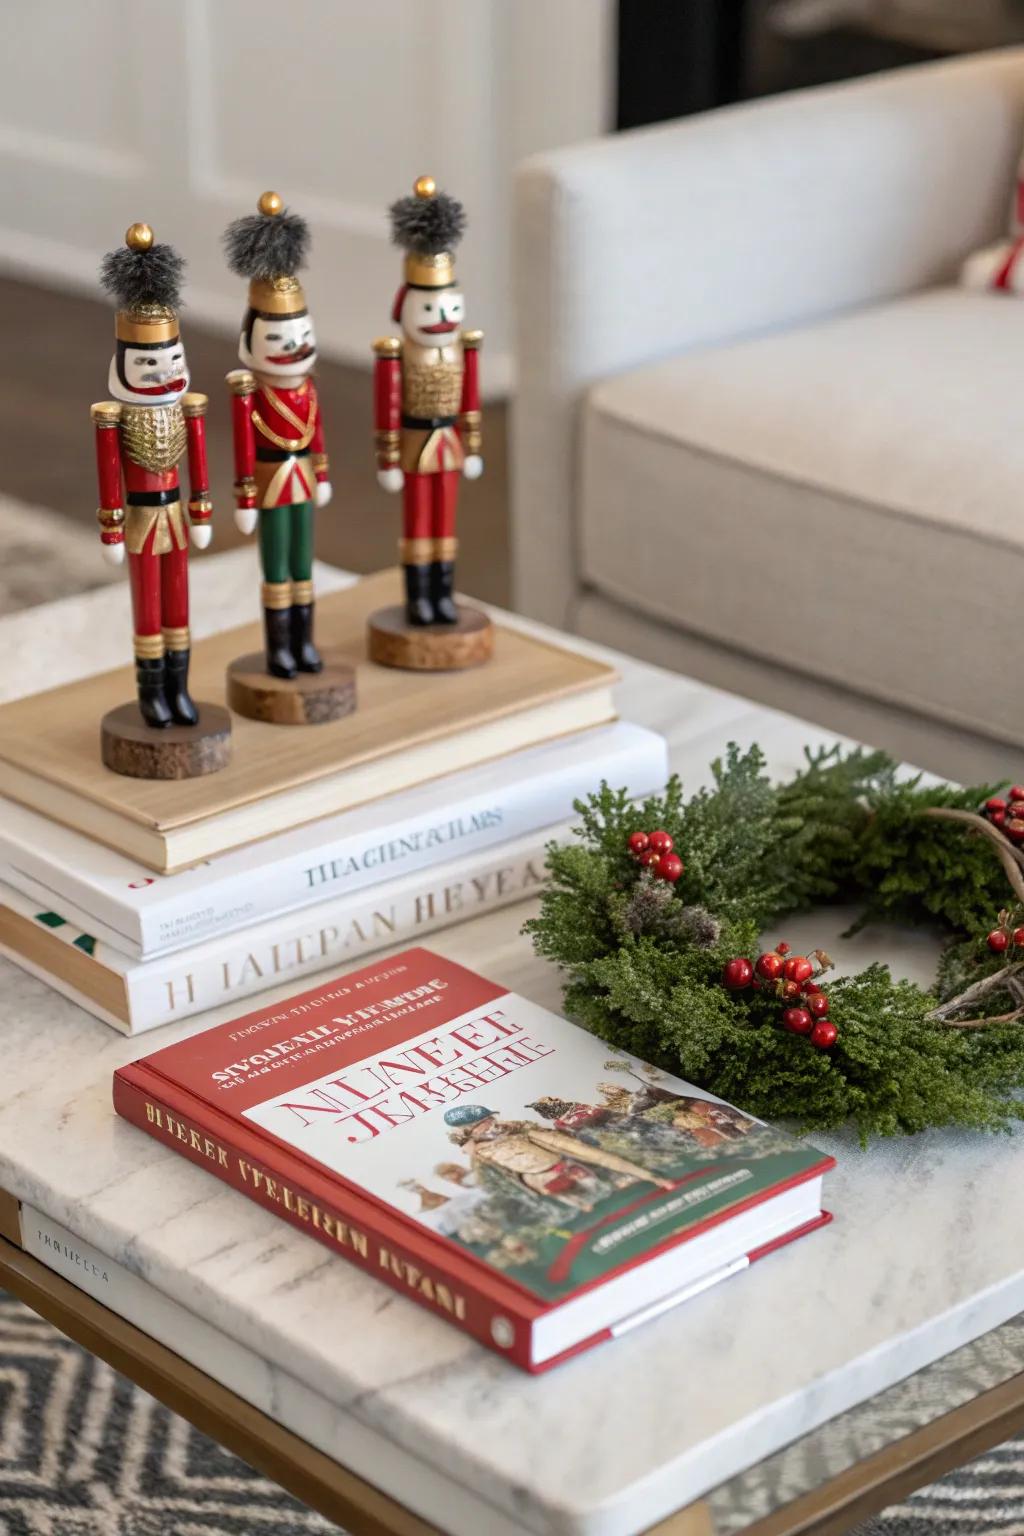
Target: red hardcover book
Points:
(482, 1155)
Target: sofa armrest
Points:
(750, 218)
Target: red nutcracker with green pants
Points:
(281, 469)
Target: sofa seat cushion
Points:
(846, 499)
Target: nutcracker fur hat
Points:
(144, 280)
(269, 247)
(427, 226)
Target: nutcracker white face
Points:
(149, 375)
(432, 317)
(283, 347)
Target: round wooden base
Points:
(394, 642)
(139, 751)
(309, 698)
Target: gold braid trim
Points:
(277, 594)
(149, 647)
(241, 382)
(177, 639)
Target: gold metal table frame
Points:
(363, 1510)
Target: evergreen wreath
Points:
(657, 932)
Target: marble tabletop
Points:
(926, 1251)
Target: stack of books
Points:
(149, 902)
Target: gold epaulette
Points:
(105, 413)
(387, 346)
(241, 382)
(194, 404)
(473, 340)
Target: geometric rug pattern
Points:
(83, 1452)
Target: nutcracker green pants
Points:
(286, 542)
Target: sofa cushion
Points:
(846, 499)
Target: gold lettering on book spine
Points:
(153, 436)
(274, 1192)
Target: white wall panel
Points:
(182, 113)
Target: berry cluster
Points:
(654, 851)
(1008, 814)
(1009, 932)
(794, 980)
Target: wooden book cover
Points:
(408, 728)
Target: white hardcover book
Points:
(139, 995)
(145, 914)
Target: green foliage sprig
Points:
(643, 962)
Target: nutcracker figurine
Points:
(280, 464)
(427, 401)
(140, 436)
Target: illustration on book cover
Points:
(526, 1147)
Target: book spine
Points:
(176, 912)
(354, 1230)
(243, 964)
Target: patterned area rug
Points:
(83, 1452)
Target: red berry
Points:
(1015, 808)
(1015, 828)
(670, 867)
(783, 949)
(798, 968)
(1016, 792)
(824, 1034)
(818, 1005)
(798, 1020)
(790, 989)
(995, 804)
(1018, 937)
(809, 988)
(737, 974)
(639, 842)
(998, 818)
(998, 941)
(661, 842)
(649, 859)
(768, 967)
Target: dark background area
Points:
(676, 57)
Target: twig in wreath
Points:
(1012, 859)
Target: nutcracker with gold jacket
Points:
(427, 400)
(281, 471)
(141, 434)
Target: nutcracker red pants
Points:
(428, 517)
(159, 600)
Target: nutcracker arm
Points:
(321, 463)
(387, 400)
(106, 416)
(243, 386)
(469, 408)
(193, 408)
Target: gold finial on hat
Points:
(138, 237)
(425, 186)
(270, 203)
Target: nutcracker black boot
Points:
(307, 656)
(418, 608)
(277, 626)
(442, 585)
(150, 679)
(177, 694)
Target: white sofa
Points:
(760, 435)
